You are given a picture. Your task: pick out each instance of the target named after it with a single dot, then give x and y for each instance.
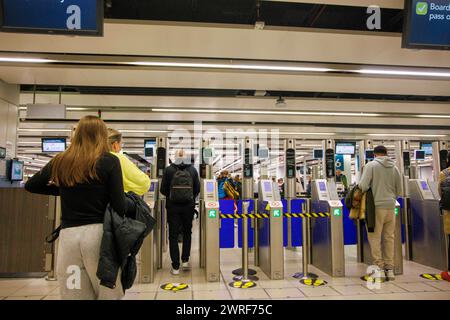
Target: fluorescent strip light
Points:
(268, 112)
(25, 60)
(280, 133)
(76, 109)
(32, 159)
(228, 66)
(433, 116)
(141, 131)
(44, 130)
(404, 73)
(406, 135)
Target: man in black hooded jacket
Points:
(180, 215)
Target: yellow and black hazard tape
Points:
(243, 215)
(265, 215)
(307, 215)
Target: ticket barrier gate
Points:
(210, 230)
(148, 261)
(270, 231)
(327, 236)
(428, 240)
(398, 249)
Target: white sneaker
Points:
(186, 266)
(377, 275)
(390, 276)
(175, 272)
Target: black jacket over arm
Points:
(121, 241)
(169, 172)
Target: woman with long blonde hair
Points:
(87, 177)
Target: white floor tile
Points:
(209, 286)
(276, 284)
(352, 290)
(140, 296)
(43, 283)
(7, 291)
(168, 295)
(14, 282)
(212, 295)
(441, 285)
(144, 287)
(25, 298)
(52, 298)
(318, 291)
(248, 294)
(433, 295)
(34, 291)
(416, 287)
(285, 293)
(385, 288)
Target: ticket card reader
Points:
(210, 229)
(270, 231)
(151, 197)
(148, 252)
(428, 241)
(327, 237)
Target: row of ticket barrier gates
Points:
(322, 222)
(326, 243)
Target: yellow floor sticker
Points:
(242, 284)
(174, 286)
(313, 282)
(431, 276)
(372, 279)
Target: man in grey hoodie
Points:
(384, 178)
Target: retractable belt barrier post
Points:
(247, 194)
(245, 280)
(305, 248)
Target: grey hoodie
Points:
(384, 178)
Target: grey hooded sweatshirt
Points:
(384, 178)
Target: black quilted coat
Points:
(122, 239)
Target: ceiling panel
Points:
(222, 80)
(227, 42)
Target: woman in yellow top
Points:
(133, 178)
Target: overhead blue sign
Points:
(82, 17)
(427, 24)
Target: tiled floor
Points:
(408, 286)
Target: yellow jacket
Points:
(133, 178)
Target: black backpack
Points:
(181, 187)
(445, 191)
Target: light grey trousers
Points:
(77, 261)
